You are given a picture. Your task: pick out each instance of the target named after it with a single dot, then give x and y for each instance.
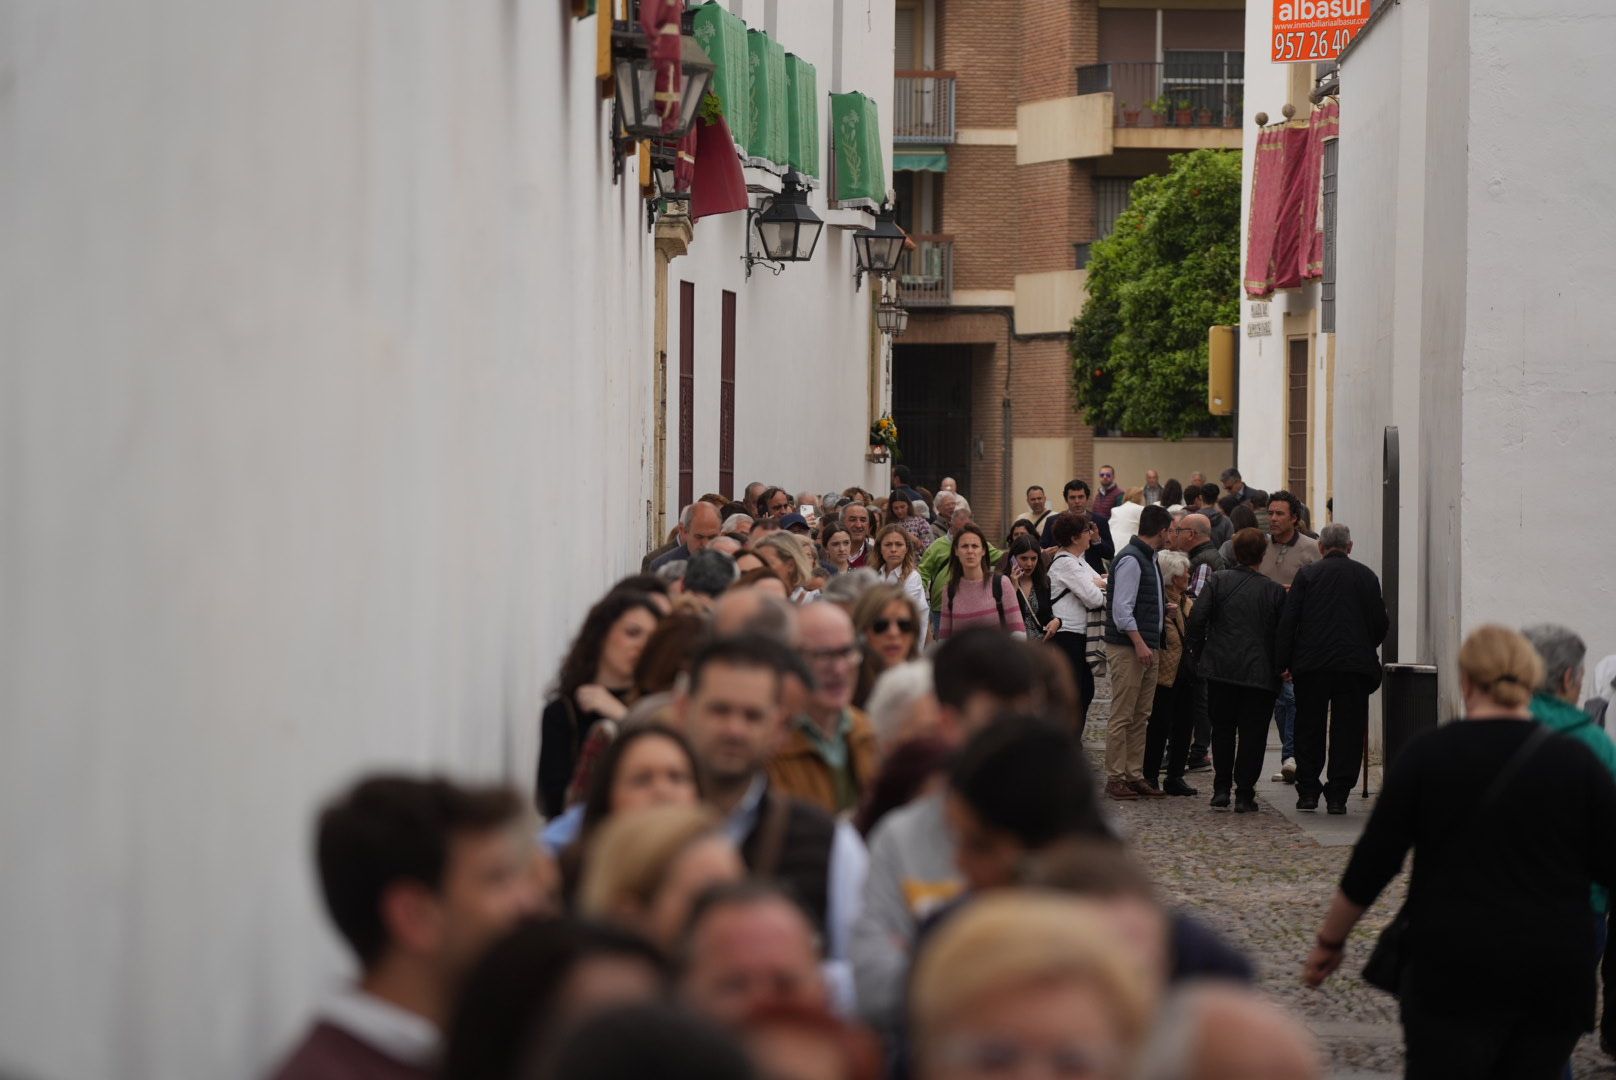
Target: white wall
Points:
(802, 339)
(1261, 412)
(1475, 232)
(1539, 378)
(302, 304)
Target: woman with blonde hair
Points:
(645, 869)
(1023, 978)
(901, 566)
(1511, 826)
(790, 560)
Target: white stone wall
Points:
(1475, 230)
(802, 398)
(325, 385)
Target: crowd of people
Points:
(813, 804)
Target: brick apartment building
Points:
(1018, 129)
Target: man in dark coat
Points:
(1329, 634)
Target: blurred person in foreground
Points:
(1028, 984)
(1220, 1031)
(976, 676)
(638, 1042)
(1511, 826)
(539, 981)
(749, 946)
(419, 876)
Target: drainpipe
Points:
(1009, 416)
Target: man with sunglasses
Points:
(1109, 495)
(828, 756)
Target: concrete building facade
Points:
(328, 357)
(1475, 238)
(1019, 129)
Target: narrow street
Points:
(1264, 881)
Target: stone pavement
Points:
(1264, 881)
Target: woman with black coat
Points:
(1232, 632)
(1511, 825)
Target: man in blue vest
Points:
(1135, 609)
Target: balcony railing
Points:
(923, 107)
(1207, 91)
(926, 274)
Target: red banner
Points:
(717, 186)
(1267, 183)
(660, 21)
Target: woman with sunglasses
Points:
(897, 564)
(890, 627)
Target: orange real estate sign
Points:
(1310, 30)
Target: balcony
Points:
(923, 108)
(1183, 103)
(926, 273)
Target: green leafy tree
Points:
(1169, 270)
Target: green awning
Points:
(770, 126)
(802, 89)
(858, 158)
(908, 162)
(723, 35)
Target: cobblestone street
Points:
(1264, 881)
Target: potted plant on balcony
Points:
(1160, 108)
(1203, 116)
(1231, 115)
(1183, 112)
(883, 439)
(1130, 115)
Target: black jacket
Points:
(1334, 619)
(1232, 629)
(790, 844)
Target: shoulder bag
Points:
(1389, 960)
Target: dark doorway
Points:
(931, 402)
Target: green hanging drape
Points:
(859, 159)
(802, 88)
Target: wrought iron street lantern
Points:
(787, 228)
(878, 250)
(891, 318)
(636, 79)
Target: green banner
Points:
(724, 37)
(769, 124)
(858, 161)
(802, 87)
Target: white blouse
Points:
(1076, 585)
(916, 591)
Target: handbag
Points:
(1389, 960)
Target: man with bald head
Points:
(699, 525)
(1223, 1031)
(1193, 537)
(828, 756)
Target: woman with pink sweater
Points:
(976, 595)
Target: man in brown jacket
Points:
(828, 755)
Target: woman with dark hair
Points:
(838, 545)
(1019, 528)
(975, 594)
(1241, 516)
(1233, 632)
(542, 978)
(594, 684)
(1026, 570)
(901, 510)
(1076, 589)
(1172, 494)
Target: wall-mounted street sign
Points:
(1309, 30)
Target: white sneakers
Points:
(1287, 771)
